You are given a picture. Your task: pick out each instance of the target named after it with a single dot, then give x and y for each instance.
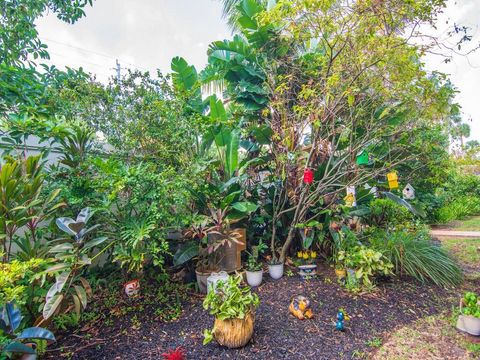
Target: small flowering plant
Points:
(306, 257)
(307, 232)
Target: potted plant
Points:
(234, 311)
(469, 318)
(254, 267)
(275, 268)
(307, 257)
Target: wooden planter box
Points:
(230, 254)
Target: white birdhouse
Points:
(409, 192)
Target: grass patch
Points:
(433, 337)
(464, 250)
(472, 224)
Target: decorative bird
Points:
(300, 307)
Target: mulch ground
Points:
(278, 335)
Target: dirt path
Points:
(443, 233)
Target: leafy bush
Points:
(413, 253)
(387, 213)
(459, 208)
(229, 301)
(19, 282)
(366, 262)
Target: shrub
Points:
(367, 263)
(387, 213)
(414, 254)
(18, 280)
(459, 208)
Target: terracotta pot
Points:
(275, 271)
(254, 278)
(469, 324)
(234, 333)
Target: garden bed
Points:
(278, 335)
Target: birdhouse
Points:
(363, 158)
(409, 192)
(392, 180)
(350, 200)
(308, 176)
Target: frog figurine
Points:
(340, 319)
(300, 307)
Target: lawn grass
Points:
(433, 337)
(465, 250)
(470, 224)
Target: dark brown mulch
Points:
(278, 335)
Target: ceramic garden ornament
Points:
(132, 288)
(300, 307)
(409, 192)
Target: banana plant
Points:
(70, 290)
(23, 342)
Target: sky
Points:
(147, 34)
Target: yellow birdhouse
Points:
(350, 199)
(392, 180)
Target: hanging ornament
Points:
(409, 192)
(363, 158)
(308, 176)
(392, 180)
(350, 200)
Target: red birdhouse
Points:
(308, 176)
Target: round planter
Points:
(214, 278)
(254, 278)
(307, 270)
(275, 271)
(234, 333)
(341, 273)
(202, 280)
(469, 324)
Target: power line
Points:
(95, 52)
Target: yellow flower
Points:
(299, 254)
(305, 255)
(313, 254)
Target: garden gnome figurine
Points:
(300, 307)
(409, 192)
(340, 319)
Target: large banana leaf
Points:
(185, 253)
(413, 209)
(184, 76)
(231, 158)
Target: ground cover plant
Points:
(288, 148)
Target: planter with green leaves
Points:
(234, 311)
(469, 318)
(24, 343)
(254, 266)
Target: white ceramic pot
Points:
(469, 324)
(214, 278)
(275, 271)
(254, 278)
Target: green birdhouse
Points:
(362, 158)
